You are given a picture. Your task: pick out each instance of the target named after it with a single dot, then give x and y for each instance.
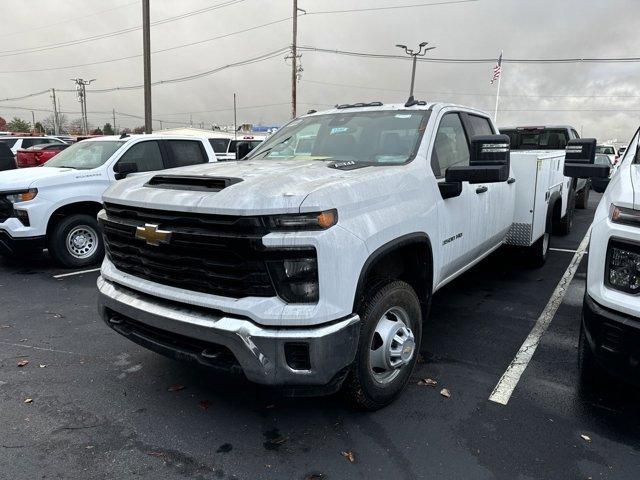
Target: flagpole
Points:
(495, 113)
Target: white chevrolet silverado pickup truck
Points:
(311, 263)
(55, 206)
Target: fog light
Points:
(296, 280)
(624, 267)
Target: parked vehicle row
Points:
(55, 206)
(312, 263)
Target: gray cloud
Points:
(522, 28)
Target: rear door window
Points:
(219, 145)
(9, 142)
(185, 152)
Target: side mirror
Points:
(122, 169)
(579, 160)
(242, 150)
(489, 161)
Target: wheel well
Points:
(87, 208)
(408, 258)
(554, 213)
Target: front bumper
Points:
(614, 339)
(215, 339)
(19, 245)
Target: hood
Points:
(29, 177)
(254, 187)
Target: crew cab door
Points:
(498, 201)
(460, 218)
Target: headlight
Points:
(303, 221)
(22, 195)
(296, 279)
(625, 216)
(623, 267)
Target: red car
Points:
(38, 154)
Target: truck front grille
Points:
(216, 254)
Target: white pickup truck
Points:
(314, 269)
(55, 206)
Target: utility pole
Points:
(33, 121)
(160, 124)
(56, 125)
(235, 119)
(414, 56)
(113, 111)
(146, 47)
(190, 120)
(295, 69)
(81, 94)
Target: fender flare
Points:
(404, 240)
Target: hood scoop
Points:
(192, 183)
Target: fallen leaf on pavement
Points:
(42, 365)
(349, 456)
(429, 382)
(23, 363)
(175, 388)
(28, 400)
(5, 326)
(586, 438)
(156, 454)
(445, 392)
(204, 404)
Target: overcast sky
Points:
(480, 29)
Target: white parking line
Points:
(79, 272)
(563, 250)
(516, 368)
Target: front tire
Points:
(582, 200)
(539, 250)
(389, 344)
(76, 241)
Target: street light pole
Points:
(422, 50)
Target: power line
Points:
(54, 24)
(475, 60)
(513, 95)
(195, 76)
(11, 53)
(168, 49)
(29, 95)
(394, 7)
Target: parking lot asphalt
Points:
(102, 407)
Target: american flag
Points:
(497, 70)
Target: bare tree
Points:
(48, 124)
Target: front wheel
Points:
(582, 201)
(388, 348)
(75, 241)
(539, 250)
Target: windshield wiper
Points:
(266, 151)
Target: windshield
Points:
(219, 145)
(85, 155)
(537, 139)
(605, 150)
(373, 138)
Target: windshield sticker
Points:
(335, 130)
(403, 115)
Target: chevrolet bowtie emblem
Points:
(150, 234)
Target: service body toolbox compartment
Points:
(540, 180)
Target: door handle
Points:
(511, 180)
(481, 189)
